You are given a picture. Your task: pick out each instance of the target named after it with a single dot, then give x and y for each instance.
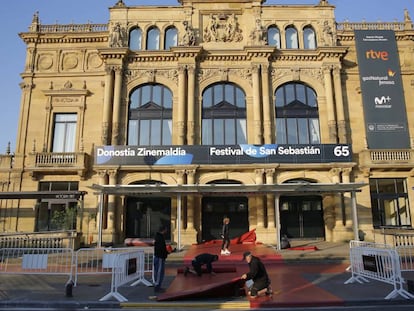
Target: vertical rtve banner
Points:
(382, 90)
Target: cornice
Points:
(63, 38)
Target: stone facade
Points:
(90, 70)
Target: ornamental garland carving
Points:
(244, 73)
(314, 73)
(222, 28)
(150, 75)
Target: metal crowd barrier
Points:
(377, 262)
(57, 261)
(127, 267)
(89, 261)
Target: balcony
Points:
(386, 159)
(57, 163)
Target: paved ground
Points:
(306, 277)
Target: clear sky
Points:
(16, 16)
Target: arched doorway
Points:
(144, 215)
(214, 208)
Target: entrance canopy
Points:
(42, 195)
(226, 189)
(178, 191)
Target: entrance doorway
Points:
(144, 216)
(213, 211)
(302, 217)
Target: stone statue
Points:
(117, 36)
(189, 36)
(258, 35)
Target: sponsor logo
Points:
(382, 102)
(380, 55)
(382, 80)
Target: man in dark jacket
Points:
(259, 276)
(200, 260)
(160, 255)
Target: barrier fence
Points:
(126, 268)
(379, 262)
(57, 261)
(123, 264)
(90, 261)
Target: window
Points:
(153, 39)
(273, 36)
(64, 134)
(389, 201)
(171, 38)
(292, 38)
(297, 116)
(150, 116)
(224, 115)
(135, 39)
(56, 214)
(309, 38)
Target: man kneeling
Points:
(258, 275)
(200, 260)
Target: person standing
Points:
(258, 274)
(225, 235)
(200, 260)
(160, 255)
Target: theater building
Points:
(277, 116)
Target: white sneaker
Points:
(227, 252)
(223, 252)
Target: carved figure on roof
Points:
(117, 36)
(189, 36)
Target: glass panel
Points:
(135, 39)
(240, 98)
(280, 97)
(290, 93)
(228, 93)
(389, 209)
(167, 103)
(64, 135)
(156, 94)
(167, 132)
(314, 131)
(207, 135)
(311, 98)
(241, 131)
(291, 38)
(273, 37)
(300, 93)
(207, 97)
(303, 131)
(218, 94)
(153, 39)
(281, 131)
(70, 138)
(155, 134)
(132, 132)
(218, 132)
(171, 38)
(404, 212)
(229, 134)
(145, 95)
(292, 131)
(144, 133)
(309, 38)
(134, 98)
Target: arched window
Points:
(150, 116)
(171, 38)
(273, 36)
(224, 115)
(153, 39)
(297, 115)
(291, 38)
(309, 38)
(135, 39)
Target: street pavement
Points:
(308, 277)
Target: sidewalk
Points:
(312, 275)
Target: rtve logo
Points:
(371, 54)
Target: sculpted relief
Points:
(222, 28)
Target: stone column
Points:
(260, 216)
(257, 138)
(107, 107)
(330, 104)
(190, 106)
(180, 123)
(267, 106)
(189, 235)
(270, 199)
(111, 202)
(116, 106)
(340, 114)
